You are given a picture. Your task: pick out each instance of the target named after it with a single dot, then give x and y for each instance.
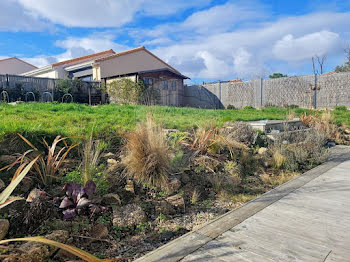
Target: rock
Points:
(4, 228)
(262, 150)
(2, 184)
(99, 231)
(112, 165)
(111, 199)
(165, 208)
(129, 215)
(111, 162)
(35, 193)
(130, 186)
(331, 144)
(174, 185)
(34, 251)
(176, 201)
(108, 155)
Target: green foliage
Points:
(248, 108)
(125, 91)
(98, 177)
(36, 120)
(340, 108)
(277, 75)
(230, 107)
(343, 68)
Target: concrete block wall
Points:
(332, 89)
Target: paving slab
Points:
(305, 219)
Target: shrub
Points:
(278, 159)
(240, 132)
(147, 156)
(124, 91)
(300, 150)
(201, 140)
(340, 108)
(248, 108)
(324, 124)
(230, 107)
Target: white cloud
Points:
(249, 51)
(104, 13)
(76, 47)
(290, 48)
(14, 18)
(163, 7)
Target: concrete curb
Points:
(190, 242)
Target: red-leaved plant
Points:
(77, 198)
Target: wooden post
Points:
(89, 89)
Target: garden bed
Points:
(152, 184)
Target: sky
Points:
(206, 40)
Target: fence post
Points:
(53, 91)
(7, 81)
(315, 93)
(89, 90)
(261, 92)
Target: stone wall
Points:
(332, 89)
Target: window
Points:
(165, 84)
(86, 78)
(173, 85)
(148, 82)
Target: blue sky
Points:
(204, 39)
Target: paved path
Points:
(306, 219)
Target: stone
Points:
(129, 215)
(34, 251)
(112, 165)
(2, 184)
(108, 155)
(262, 150)
(174, 185)
(4, 228)
(130, 186)
(111, 199)
(35, 193)
(99, 231)
(176, 201)
(165, 208)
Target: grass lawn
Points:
(77, 119)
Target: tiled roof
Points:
(135, 50)
(110, 51)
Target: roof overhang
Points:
(38, 71)
(79, 66)
(164, 69)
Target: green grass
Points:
(80, 120)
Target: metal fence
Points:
(22, 88)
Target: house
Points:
(14, 66)
(108, 66)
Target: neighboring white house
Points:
(63, 69)
(14, 66)
(108, 66)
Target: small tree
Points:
(277, 75)
(124, 91)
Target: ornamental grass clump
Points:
(147, 156)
